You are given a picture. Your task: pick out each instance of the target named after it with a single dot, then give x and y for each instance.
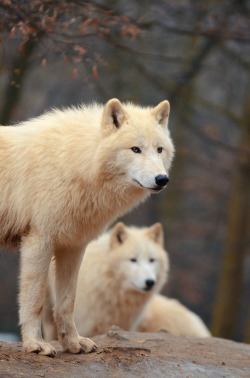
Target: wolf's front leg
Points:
(67, 268)
(35, 259)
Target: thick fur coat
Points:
(121, 274)
(169, 314)
(64, 176)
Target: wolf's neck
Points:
(103, 202)
(131, 304)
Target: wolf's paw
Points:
(79, 345)
(39, 347)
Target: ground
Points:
(130, 354)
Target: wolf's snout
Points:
(161, 180)
(149, 284)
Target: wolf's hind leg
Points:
(67, 267)
(35, 259)
(48, 324)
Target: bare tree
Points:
(70, 30)
(230, 285)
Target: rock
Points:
(132, 354)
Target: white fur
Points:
(64, 176)
(111, 287)
(169, 314)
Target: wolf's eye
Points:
(136, 150)
(151, 260)
(133, 259)
(159, 150)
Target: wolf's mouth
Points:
(147, 288)
(158, 189)
(155, 189)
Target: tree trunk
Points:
(247, 338)
(13, 90)
(230, 284)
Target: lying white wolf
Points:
(121, 274)
(63, 177)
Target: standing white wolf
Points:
(64, 176)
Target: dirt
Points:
(130, 354)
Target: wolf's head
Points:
(140, 150)
(138, 257)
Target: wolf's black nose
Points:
(149, 284)
(161, 180)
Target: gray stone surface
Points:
(131, 354)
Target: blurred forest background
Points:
(194, 53)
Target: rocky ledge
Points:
(133, 354)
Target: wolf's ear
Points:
(156, 234)
(118, 235)
(161, 113)
(113, 115)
